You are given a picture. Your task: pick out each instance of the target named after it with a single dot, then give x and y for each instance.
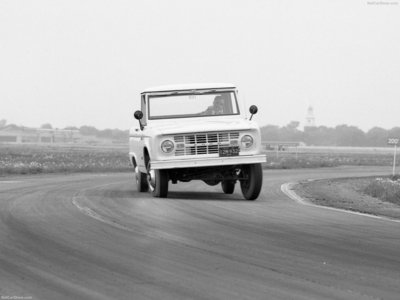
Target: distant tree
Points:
(394, 132)
(106, 133)
(13, 126)
(284, 134)
(293, 125)
(342, 135)
(3, 123)
(71, 128)
(349, 136)
(88, 130)
(270, 133)
(319, 136)
(376, 137)
(115, 134)
(46, 126)
(291, 133)
(118, 134)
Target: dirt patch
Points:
(346, 193)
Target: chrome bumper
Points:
(207, 162)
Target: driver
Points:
(217, 108)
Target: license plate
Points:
(229, 151)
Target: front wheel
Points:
(141, 181)
(158, 181)
(252, 181)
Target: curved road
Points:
(92, 236)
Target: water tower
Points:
(310, 119)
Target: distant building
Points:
(310, 118)
(16, 134)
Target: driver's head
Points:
(219, 102)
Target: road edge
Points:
(288, 190)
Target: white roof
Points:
(191, 86)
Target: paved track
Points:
(88, 236)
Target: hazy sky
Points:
(74, 63)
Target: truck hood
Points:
(188, 126)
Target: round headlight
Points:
(247, 141)
(167, 146)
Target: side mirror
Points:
(138, 116)
(253, 110)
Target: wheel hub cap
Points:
(151, 178)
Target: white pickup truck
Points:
(196, 132)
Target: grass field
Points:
(384, 188)
(317, 157)
(371, 195)
(33, 159)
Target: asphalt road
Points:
(92, 236)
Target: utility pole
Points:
(394, 160)
(395, 142)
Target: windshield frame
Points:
(215, 92)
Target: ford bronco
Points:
(196, 132)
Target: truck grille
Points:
(204, 143)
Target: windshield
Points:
(192, 104)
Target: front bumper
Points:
(208, 162)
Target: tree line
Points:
(341, 135)
(114, 134)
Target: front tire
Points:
(157, 181)
(141, 181)
(251, 186)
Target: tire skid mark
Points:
(156, 234)
(91, 213)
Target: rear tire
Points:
(251, 187)
(228, 186)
